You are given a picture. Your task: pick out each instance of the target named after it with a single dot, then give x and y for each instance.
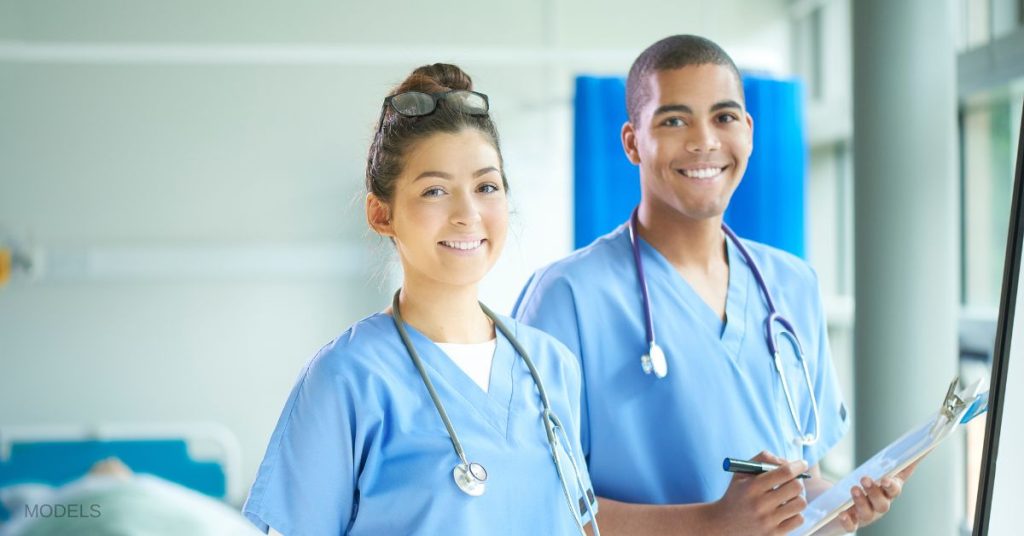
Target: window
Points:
(989, 133)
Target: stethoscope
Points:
(775, 326)
(471, 477)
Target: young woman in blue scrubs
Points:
(426, 418)
(655, 432)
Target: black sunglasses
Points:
(417, 103)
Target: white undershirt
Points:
(474, 359)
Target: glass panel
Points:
(1005, 17)
(977, 22)
(989, 149)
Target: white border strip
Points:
(202, 262)
(285, 54)
(598, 60)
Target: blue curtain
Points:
(769, 204)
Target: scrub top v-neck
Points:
(360, 448)
(662, 441)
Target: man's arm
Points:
(816, 485)
(618, 517)
(765, 504)
(871, 500)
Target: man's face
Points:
(693, 140)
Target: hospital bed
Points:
(179, 466)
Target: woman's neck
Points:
(444, 313)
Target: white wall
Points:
(152, 149)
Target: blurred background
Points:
(181, 189)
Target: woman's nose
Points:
(465, 211)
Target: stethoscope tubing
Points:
(452, 435)
(551, 421)
(774, 317)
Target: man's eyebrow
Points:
(726, 104)
(438, 174)
(682, 108)
(673, 108)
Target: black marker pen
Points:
(754, 468)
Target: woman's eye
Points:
(488, 188)
(436, 191)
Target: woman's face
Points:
(449, 213)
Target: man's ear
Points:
(378, 216)
(629, 143)
(750, 127)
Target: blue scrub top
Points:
(663, 441)
(361, 449)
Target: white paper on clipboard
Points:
(895, 457)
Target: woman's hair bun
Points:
(397, 133)
(435, 78)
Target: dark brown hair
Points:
(674, 52)
(397, 133)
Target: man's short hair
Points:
(673, 52)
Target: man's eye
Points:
(727, 118)
(673, 122)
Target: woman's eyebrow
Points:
(438, 174)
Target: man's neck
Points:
(695, 248)
(688, 244)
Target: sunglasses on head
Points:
(417, 103)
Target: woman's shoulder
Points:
(357, 350)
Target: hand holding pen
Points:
(766, 503)
(751, 467)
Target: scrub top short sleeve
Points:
(556, 294)
(306, 484)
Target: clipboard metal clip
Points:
(952, 407)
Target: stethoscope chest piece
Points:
(654, 362)
(471, 478)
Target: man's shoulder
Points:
(584, 264)
(775, 263)
(583, 272)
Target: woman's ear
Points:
(378, 216)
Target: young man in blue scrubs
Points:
(655, 445)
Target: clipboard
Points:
(959, 407)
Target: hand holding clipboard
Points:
(957, 408)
